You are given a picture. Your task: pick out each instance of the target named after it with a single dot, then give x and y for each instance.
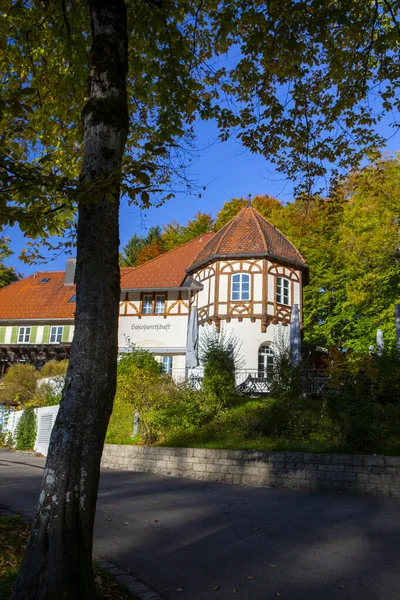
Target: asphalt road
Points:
(195, 540)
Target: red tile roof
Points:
(248, 234)
(167, 270)
(29, 299)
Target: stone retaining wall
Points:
(374, 475)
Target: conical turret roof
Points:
(249, 235)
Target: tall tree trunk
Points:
(58, 559)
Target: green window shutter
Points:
(2, 334)
(14, 335)
(65, 335)
(46, 334)
(33, 334)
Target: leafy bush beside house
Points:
(163, 405)
(19, 384)
(219, 354)
(26, 430)
(24, 386)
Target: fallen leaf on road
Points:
(155, 520)
(273, 565)
(216, 588)
(109, 519)
(277, 593)
(254, 529)
(235, 591)
(126, 522)
(179, 589)
(251, 577)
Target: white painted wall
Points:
(153, 331)
(250, 336)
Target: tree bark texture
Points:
(58, 559)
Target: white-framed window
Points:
(265, 361)
(240, 287)
(24, 335)
(166, 365)
(160, 304)
(147, 304)
(283, 291)
(56, 334)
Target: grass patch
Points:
(14, 535)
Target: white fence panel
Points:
(46, 417)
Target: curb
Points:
(133, 586)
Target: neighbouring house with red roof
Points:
(247, 276)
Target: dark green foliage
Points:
(220, 356)
(284, 417)
(354, 412)
(387, 377)
(182, 410)
(285, 383)
(26, 430)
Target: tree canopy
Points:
(7, 274)
(309, 84)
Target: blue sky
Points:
(226, 169)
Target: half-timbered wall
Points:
(215, 302)
(131, 303)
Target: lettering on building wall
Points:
(157, 327)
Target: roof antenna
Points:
(249, 199)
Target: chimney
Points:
(69, 277)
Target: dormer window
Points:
(240, 287)
(45, 280)
(283, 291)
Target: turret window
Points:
(283, 291)
(240, 287)
(265, 361)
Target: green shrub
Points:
(19, 384)
(285, 383)
(54, 368)
(6, 438)
(245, 420)
(138, 388)
(387, 377)
(220, 356)
(181, 409)
(120, 427)
(286, 420)
(26, 430)
(164, 407)
(356, 417)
